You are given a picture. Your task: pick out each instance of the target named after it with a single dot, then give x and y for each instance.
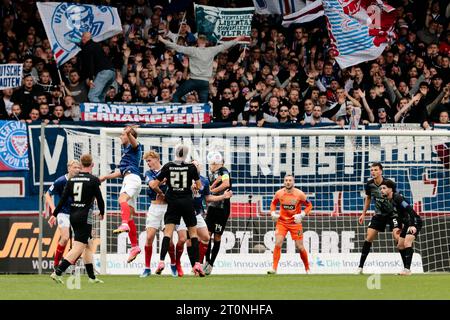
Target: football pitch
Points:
(231, 287)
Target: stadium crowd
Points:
(284, 75)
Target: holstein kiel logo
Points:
(13, 146)
(69, 21)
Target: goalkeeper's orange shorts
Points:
(296, 230)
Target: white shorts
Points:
(63, 220)
(200, 223)
(155, 216)
(132, 185)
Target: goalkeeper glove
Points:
(299, 216)
(274, 216)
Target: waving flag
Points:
(64, 24)
(359, 29)
(278, 6)
(310, 12)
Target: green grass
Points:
(236, 287)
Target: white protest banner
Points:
(10, 75)
(223, 24)
(196, 113)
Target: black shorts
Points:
(82, 231)
(217, 218)
(379, 222)
(418, 226)
(181, 207)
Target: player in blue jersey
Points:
(201, 197)
(131, 185)
(157, 209)
(63, 218)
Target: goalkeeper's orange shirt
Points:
(290, 204)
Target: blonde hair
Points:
(151, 154)
(72, 162)
(86, 160)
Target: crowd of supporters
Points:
(284, 75)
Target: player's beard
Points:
(288, 187)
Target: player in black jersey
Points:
(383, 212)
(179, 176)
(410, 220)
(83, 189)
(218, 211)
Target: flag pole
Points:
(61, 80)
(179, 28)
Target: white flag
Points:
(310, 12)
(278, 6)
(64, 24)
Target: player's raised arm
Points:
(225, 179)
(131, 138)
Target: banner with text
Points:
(196, 113)
(13, 146)
(10, 75)
(223, 24)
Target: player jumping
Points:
(83, 189)
(383, 214)
(131, 186)
(410, 220)
(218, 211)
(63, 218)
(289, 219)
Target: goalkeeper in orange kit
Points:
(289, 219)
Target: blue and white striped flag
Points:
(350, 37)
(64, 24)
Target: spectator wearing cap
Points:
(200, 66)
(98, 69)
